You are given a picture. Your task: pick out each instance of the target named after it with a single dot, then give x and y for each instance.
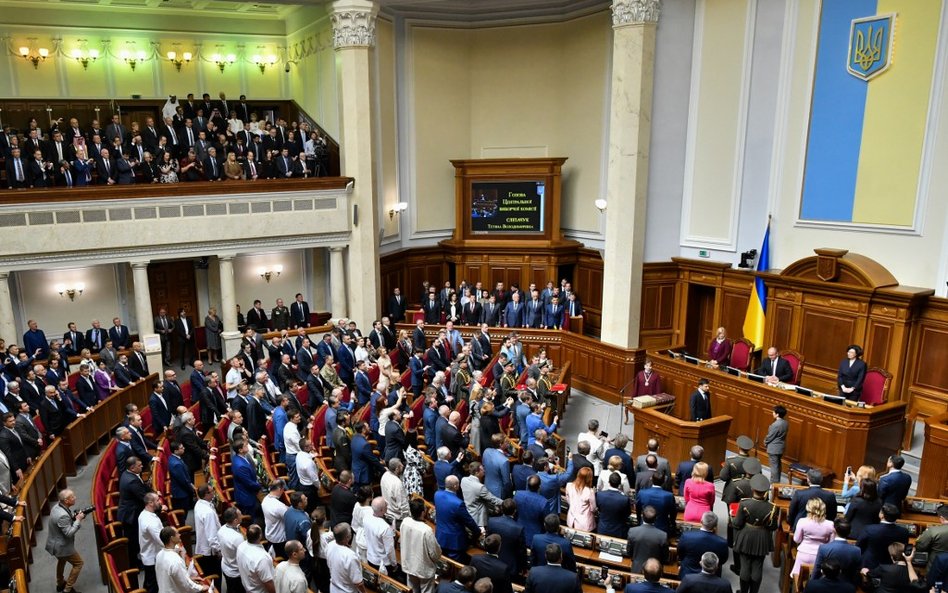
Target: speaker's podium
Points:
(678, 436)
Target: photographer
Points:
(61, 543)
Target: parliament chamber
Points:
(513, 263)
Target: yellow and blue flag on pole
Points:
(757, 306)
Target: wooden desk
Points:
(933, 472)
(821, 434)
(678, 436)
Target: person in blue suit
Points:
(693, 544)
(551, 535)
(553, 314)
(246, 486)
(418, 368)
(430, 418)
(523, 470)
(552, 577)
(513, 549)
(161, 411)
(614, 508)
(875, 539)
(491, 566)
(445, 466)
(346, 360)
(531, 508)
(707, 580)
(652, 570)
(534, 421)
(323, 350)
(618, 448)
(497, 469)
(551, 483)
(514, 312)
(799, 499)
(34, 341)
(453, 522)
(182, 480)
(832, 580)
(366, 465)
(894, 486)
(521, 412)
(118, 333)
(847, 557)
(362, 383)
(662, 500)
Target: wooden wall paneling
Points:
(780, 317)
(733, 311)
(933, 473)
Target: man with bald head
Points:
(453, 521)
(453, 436)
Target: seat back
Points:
(796, 363)
(186, 393)
(319, 423)
(875, 386)
(741, 351)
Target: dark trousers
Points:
(752, 568)
(459, 555)
(182, 504)
(187, 352)
(151, 579)
(212, 565)
(278, 549)
(130, 531)
(234, 585)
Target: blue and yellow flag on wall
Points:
(756, 317)
(875, 68)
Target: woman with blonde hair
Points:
(405, 349)
(582, 501)
(613, 466)
(698, 493)
(851, 481)
(386, 369)
(475, 402)
(812, 532)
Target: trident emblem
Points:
(867, 47)
(870, 45)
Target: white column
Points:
(230, 337)
(144, 315)
(353, 23)
(630, 111)
(337, 282)
(7, 325)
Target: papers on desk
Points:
(609, 557)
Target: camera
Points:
(88, 510)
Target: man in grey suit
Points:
(61, 542)
(477, 498)
(652, 447)
(5, 474)
(647, 541)
(776, 442)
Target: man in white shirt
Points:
(255, 564)
(230, 538)
(291, 440)
(232, 379)
(393, 491)
(289, 577)
(420, 550)
(379, 537)
(273, 511)
(345, 569)
(149, 540)
(169, 566)
(206, 527)
(597, 445)
(306, 471)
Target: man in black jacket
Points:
(132, 491)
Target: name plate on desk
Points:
(609, 557)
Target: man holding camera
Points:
(61, 543)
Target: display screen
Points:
(507, 207)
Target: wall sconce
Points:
(70, 291)
(178, 62)
(398, 209)
(39, 56)
(222, 61)
(85, 58)
(263, 62)
(133, 59)
(601, 204)
(266, 274)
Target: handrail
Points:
(49, 472)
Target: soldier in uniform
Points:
(733, 466)
(736, 491)
(461, 382)
(508, 382)
(754, 524)
(545, 388)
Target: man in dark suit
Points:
(52, 414)
(832, 580)
(551, 535)
(707, 580)
(132, 491)
(299, 312)
(17, 171)
(463, 581)
(396, 306)
(366, 466)
(512, 550)
(614, 508)
(184, 334)
(800, 497)
(40, 172)
(257, 317)
(701, 401)
(553, 314)
(643, 479)
(451, 435)
(12, 444)
(141, 445)
(775, 369)
(119, 335)
(125, 172)
(95, 337)
(693, 544)
(73, 340)
(652, 571)
(431, 307)
(490, 565)
(85, 386)
(535, 313)
(662, 500)
(161, 412)
(418, 339)
(846, 557)
(875, 539)
(647, 541)
(137, 361)
(514, 312)
(531, 508)
(490, 312)
(212, 165)
(342, 499)
(552, 577)
(685, 468)
(116, 129)
(894, 485)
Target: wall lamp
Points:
(223, 61)
(85, 58)
(263, 61)
(70, 291)
(398, 209)
(601, 204)
(178, 62)
(133, 59)
(267, 274)
(36, 58)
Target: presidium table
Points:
(822, 434)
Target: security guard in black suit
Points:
(755, 522)
(736, 491)
(733, 466)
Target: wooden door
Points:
(172, 286)
(700, 317)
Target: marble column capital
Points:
(337, 248)
(353, 23)
(139, 265)
(227, 257)
(635, 12)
